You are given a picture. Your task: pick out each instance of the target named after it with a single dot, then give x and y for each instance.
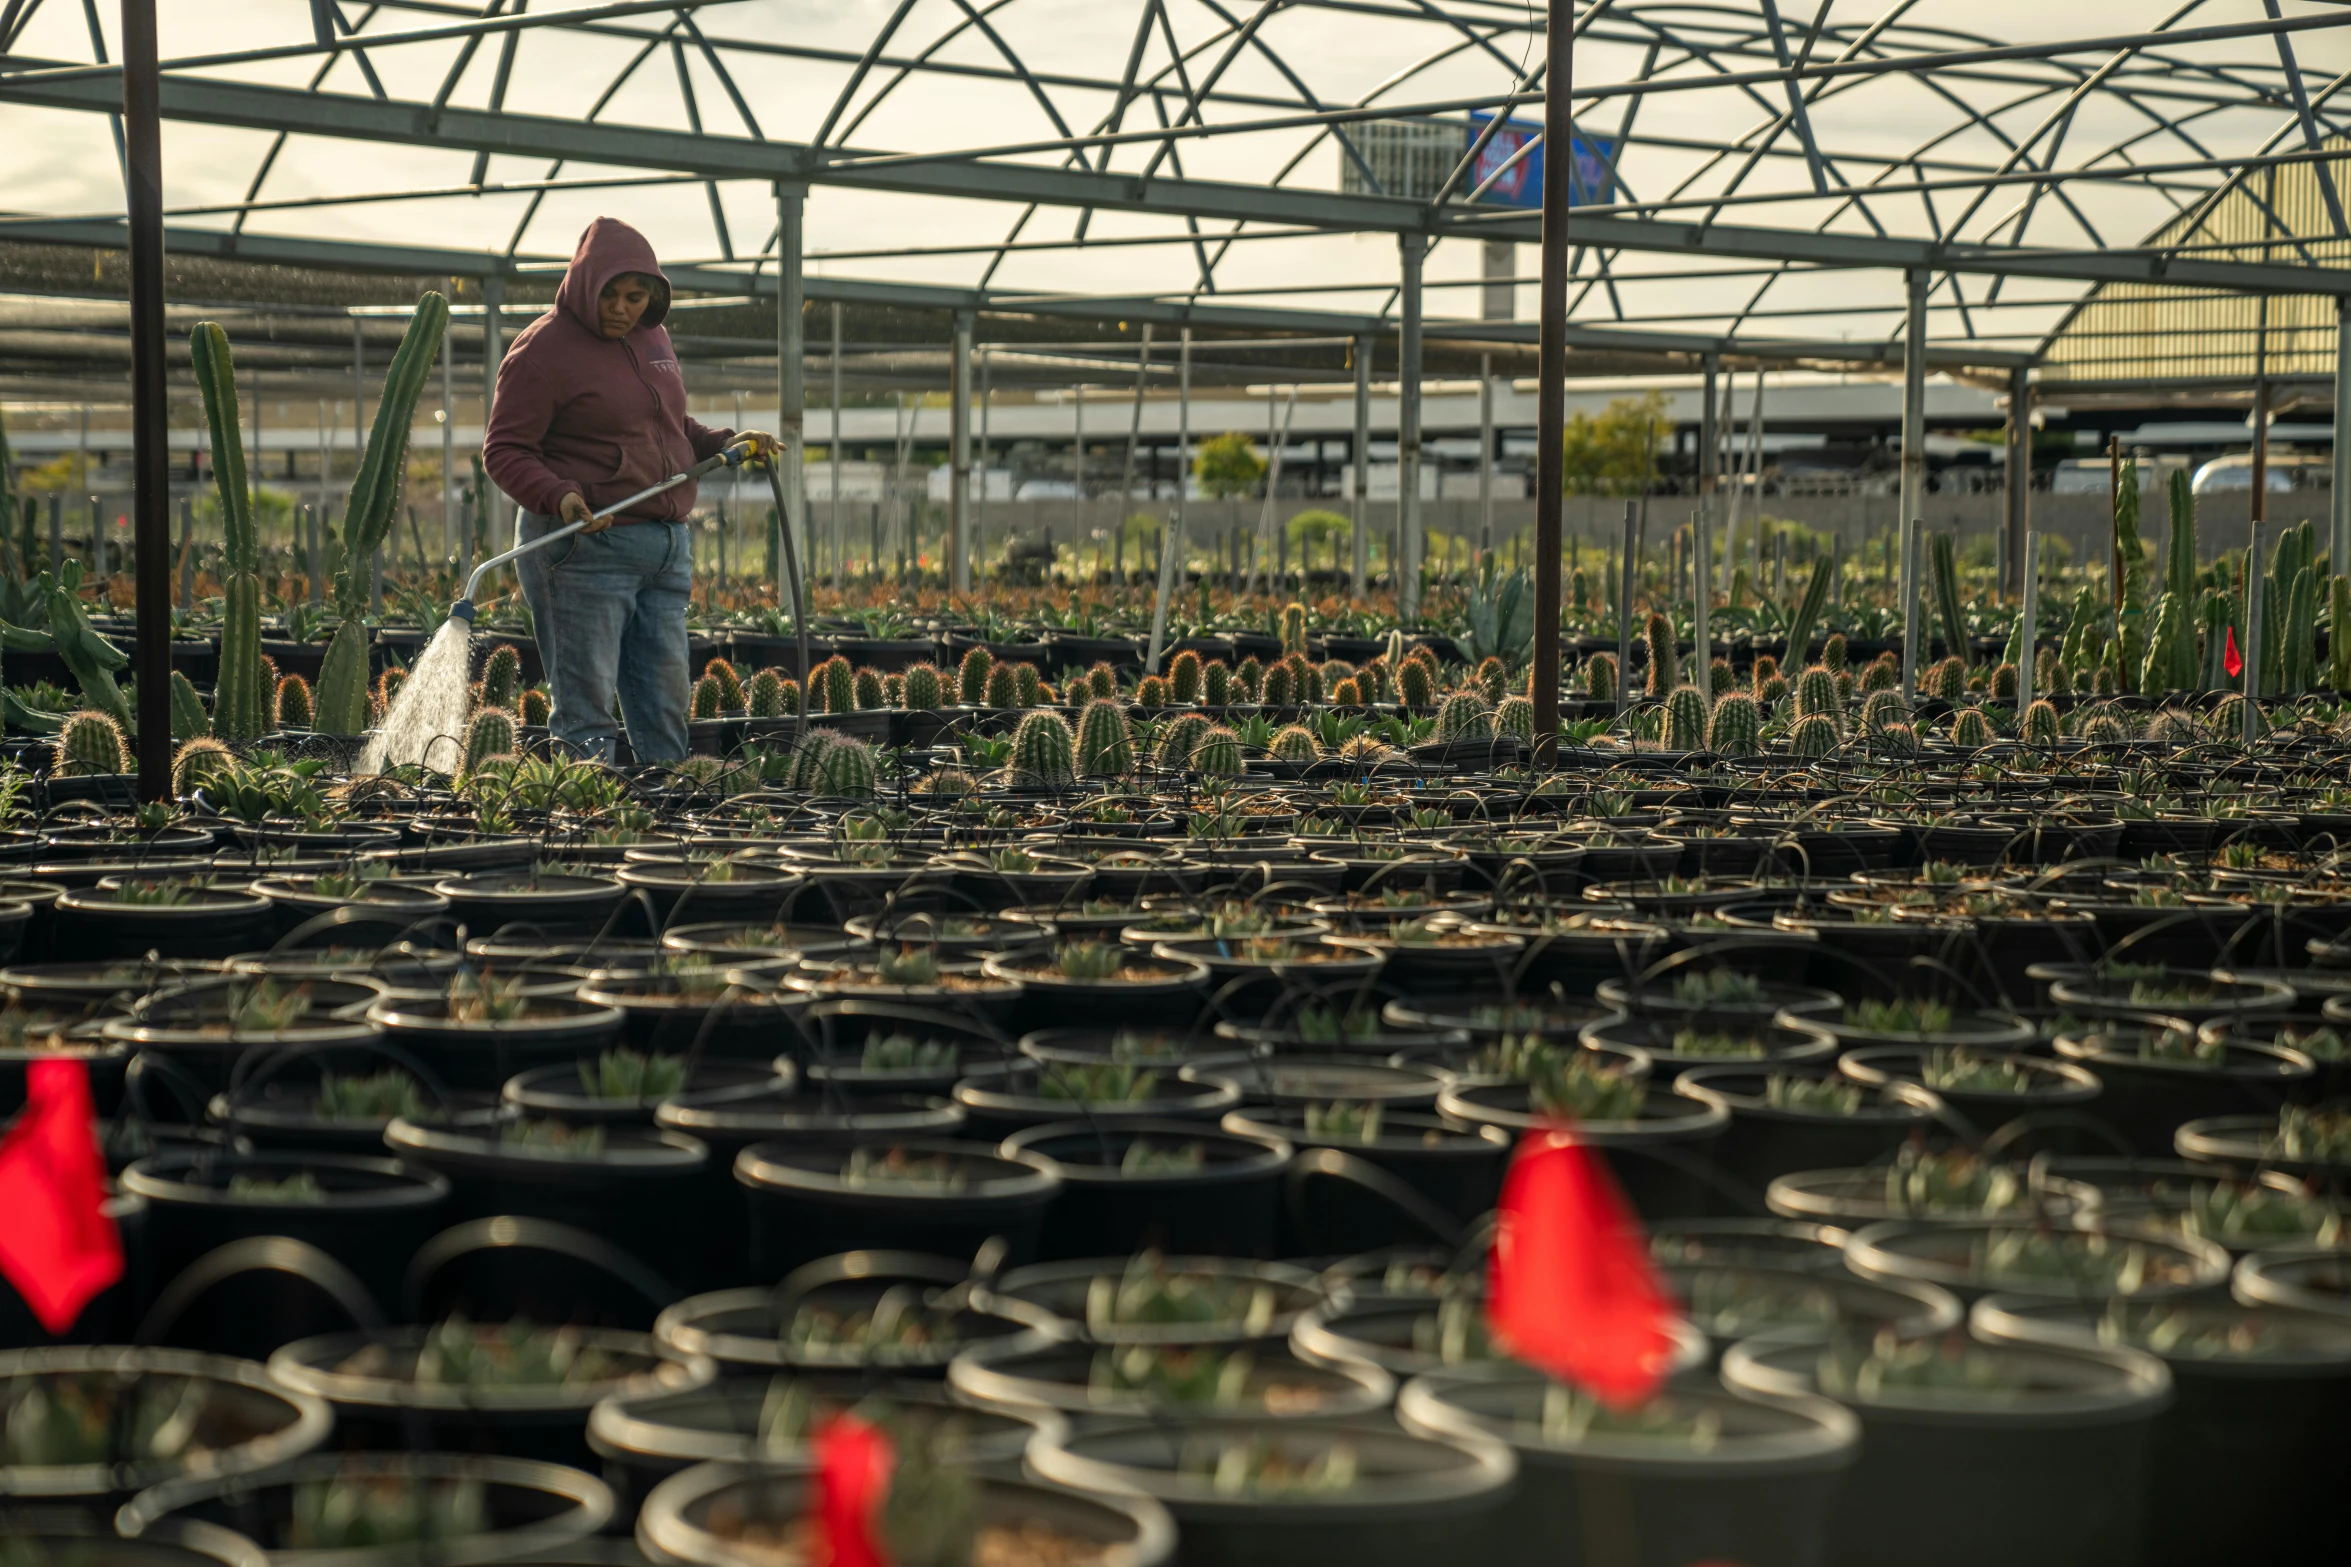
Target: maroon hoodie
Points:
(576, 410)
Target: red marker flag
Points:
(2230, 659)
(57, 1246)
(1570, 1287)
(853, 1463)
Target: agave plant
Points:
(373, 1096)
(459, 1353)
(357, 1512)
(622, 1073)
(1095, 1082)
(899, 1051)
(1149, 1292)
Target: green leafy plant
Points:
(459, 1353)
(357, 1512)
(300, 1187)
(1152, 1293)
(373, 1096)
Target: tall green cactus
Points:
(1735, 727)
(188, 718)
(2300, 661)
(2217, 620)
(2179, 562)
(1816, 696)
(1685, 720)
(2339, 633)
(90, 656)
(241, 700)
(925, 691)
(1950, 609)
(1043, 751)
(1105, 747)
(490, 732)
(367, 519)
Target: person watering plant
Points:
(590, 409)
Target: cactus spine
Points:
(1105, 747)
(1883, 708)
(706, 699)
(1028, 687)
(1042, 751)
(293, 702)
(90, 744)
(867, 690)
(846, 770)
(1295, 743)
(198, 762)
(808, 758)
(1414, 684)
(534, 707)
(1003, 687)
(502, 676)
(1102, 680)
(1492, 678)
(1183, 678)
(367, 521)
(925, 689)
(2004, 682)
(1515, 715)
(1970, 730)
(1600, 676)
(1812, 737)
(1178, 739)
(1218, 755)
(2040, 723)
(840, 686)
(1251, 679)
(1947, 680)
(1463, 716)
(1216, 685)
(490, 732)
(1151, 691)
(971, 677)
(1685, 720)
(1816, 696)
(1832, 653)
(1278, 689)
(1737, 726)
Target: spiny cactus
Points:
(1177, 740)
(1414, 684)
(1102, 680)
(1737, 726)
(1771, 691)
(1515, 715)
(1766, 668)
(706, 700)
(1305, 680)
(1685, 720)
(198, 762)
(2040, 723)
(1816, 696)
(188, 718)
(1218, 755)
(2174, 727)
(1295, 743)
(89, 744)
(1600, 677)
(1373, 680)
(1720, 681)
(1278, 690)
(1883, 708)
(388, 685)
(1250, 677)
(502, 676)
(2049, 671)
(1883, 674)
(925, 688)
(2103, 729)
(1832, 652)
(730, 684)
(1657, 641)
(867, 690)
(1847, 686)
(1813, 736)
(1294, 630)
(1899, 738)
(894, 690)
(490, 732)
(807, 771)
(1105, 746)
(1346, 693)
(1464, 716)
(240, 693)
(1950, 608)
(847, 771)
(293, 703)
(971, 677)
(1492, 678)
(840, 685)
(1028, 687)
(2004, 683)
(2103, 681)
(1043, 751)
(2339, 631)
(1970, 729)
(1947, 680)
(1807, 615)
(1183, 678)
(1151, 691)
(1216, 685)
(769, 695)
(1003, 687)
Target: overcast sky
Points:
(63, 163)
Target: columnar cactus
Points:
(2049, 671)
(2338, 630)
(1218, 755)
(188, 718)
(502, 676)
(1883, 708)
(1493, 680)
(925, 691)
(1305, 680)
(1832, 652)
(1105, 746)
(2040, 724)
(293, 703)
(1177, 741)
(1464, 716)
(1003, 687)
(730, 684)
(1103, 679)
(1183, 678)
(2103, 681)
(1736, 727)
(847, 770)
(1278, 692)
(1216, 684)
(490, 732)
(1657, 641)
(706, 699)
(972, 678)
(240, 696)
(1515, 715)
(198, 762)
(1043, 752)
(2004, 682)
(1414, 685)
(1250, 677)
(1685, 720)
(1947, 680)
(1600, 677)
(840, 685)
(1294, 630)
(1151, 691)
(1970, 730)
(89, 744)
(1813, 736)
(1346, 693)
(1295, 743)
(1816, 696)
(1028, 686)
(867, 690)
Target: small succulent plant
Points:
(912, 968)
(355, 1512)
(1957, 1069)
(62, 1419)
(267, 1007)
(1267, 1466)
(1920, 1181)
(1813, 1095)
(1145, 1157)
(899, 1051)
(2319, 1135)
(1951, 1365)
(622, 1073)
(1904, 1015)
(1718, 988)
(552, 1139)
(459, 1353)
(482, 997)
(300, 1187)
(1186, 1376)
(370, 1096)
(1344, 1122)
(1150, 1293)
(868, 1167)
(1570, 1415)
(1096, 1082)
(1582, 1086)
(1089, 962)
(1718, 1042)
(902, 1320)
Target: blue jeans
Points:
(610, 609)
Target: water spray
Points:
(430, 711)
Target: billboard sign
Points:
(1591, 176)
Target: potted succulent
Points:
(207, 1025)
(621, 1086)
(2078, 1260)
(1175, 1185)
(913, 1195)
(1795, 1117)
(1082, 982)
(485, 1025)
(188, 916)
(1181, 1380)
(2158, 1072)
(1150, 1298)
(1102, 1092)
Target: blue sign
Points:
(1591, 171)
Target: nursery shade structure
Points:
(1749, 181)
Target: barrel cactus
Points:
(1720, 681)
(90, 744)
(1947, 680)
(706, 700)
(1515, 715)
(1373, 680)
(1883, 674)
(1305, 680)
(1765, 668)
(925, 687)
(1028, 687)
(1250, 677)
(490, 732)
(1043, 751)
(1493, 678)
(766, 695)
(1295, 743)
(293, 703)
(1178, 739)
(2040, 724)
(971, 676)
(1737, 726)
(1102, 680)
(188, 717)
(1600, 677)
(1415, 684)
(1278, 689)
(1882, 708)
(534, 708)
(502, 676)
(1294, 630)
(1970, 730)
(840, 685)
(1464, 716)
(1685, 720)
(387, 686)
(867, 691)
(1151, 691)
(2174, 727)
(1899, 738)
(1003, 687)
(1216, 684)
(1105, 746)
(847, 770)
(1218, 755)
(1183, 678)
(2004, 683)
(1832, 652)
(199, 762)
(1813, 736)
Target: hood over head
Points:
(608, 248)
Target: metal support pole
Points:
(1914, 466)
(1709, 430)
(840, 529)
(1413, 248)
(1551, 398)
(2260, 503)
(1486, 453)
(1627, 559)
(2017, 519)
(1701, 601)
(979, 505)
(448, 436)
(2253, 631)
(791, 431)
(2031, 625)
(150, 412)
(959, 456)
(1171, 538)
(1077, 464)
(1359, 469)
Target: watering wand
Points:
(733, 457)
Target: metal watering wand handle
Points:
(733, 457)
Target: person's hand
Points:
(575, 509)
(764, 447)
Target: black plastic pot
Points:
(555, 1030)
(1226, 1204)
(2148, 1096)
(1767, 1140)
(1733, 1301)
(1332, 1207)
(2108, 1261)
(561, 1091)
(487, 902)
(195, 1025)
(1012, 1100)
(1086, 1382)
(1662, 1158)
(1761, 1490)
(805, 1204)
